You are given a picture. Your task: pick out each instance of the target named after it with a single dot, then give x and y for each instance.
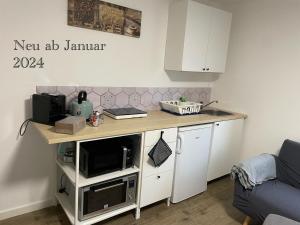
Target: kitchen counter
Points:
(111, 127)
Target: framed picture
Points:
(104, 16)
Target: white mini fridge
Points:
(192, 155)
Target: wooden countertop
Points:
(111, 127)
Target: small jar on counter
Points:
(96, 119)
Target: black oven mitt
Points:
(160, 152)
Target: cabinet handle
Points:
(217, 124)
(158, 177)
(203, 69)
(179, 144)
(207, 69)
(105, 188)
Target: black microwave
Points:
(107, 196)
(107, 155)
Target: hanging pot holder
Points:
(160, 152)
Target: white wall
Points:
(26, 164)
(263, 72)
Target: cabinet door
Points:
(156, 187)
(225, 149)
(148, 165)
(175, 35)
(152, 137)
(218, 41)
(198, 25)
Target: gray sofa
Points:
(280, 196)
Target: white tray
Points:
(181, 108)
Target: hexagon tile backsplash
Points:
(139, 97)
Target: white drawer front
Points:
(151, 137)
(148, 165)
(156, 188)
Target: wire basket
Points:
(181, 108)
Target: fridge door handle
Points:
(179, 144)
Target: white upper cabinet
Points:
(218, 41)
(198, 37)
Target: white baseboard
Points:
(5, 214)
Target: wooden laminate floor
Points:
(213, 207)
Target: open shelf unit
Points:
(75, 180)
(66, 205)
(69, 210)
(108, 215)
(69, 170)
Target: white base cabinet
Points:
(157, 181)
(225, 148)
(156, 187)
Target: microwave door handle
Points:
(125, 150)
(105, 188)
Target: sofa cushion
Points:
(271, 197)
(288, 163)
(279, 220)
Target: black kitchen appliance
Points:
(107, 155)
(106, 196)
(48, 109)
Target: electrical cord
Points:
(62, 188)
(24, 126)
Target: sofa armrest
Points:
(255, 170)
(273, 219)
